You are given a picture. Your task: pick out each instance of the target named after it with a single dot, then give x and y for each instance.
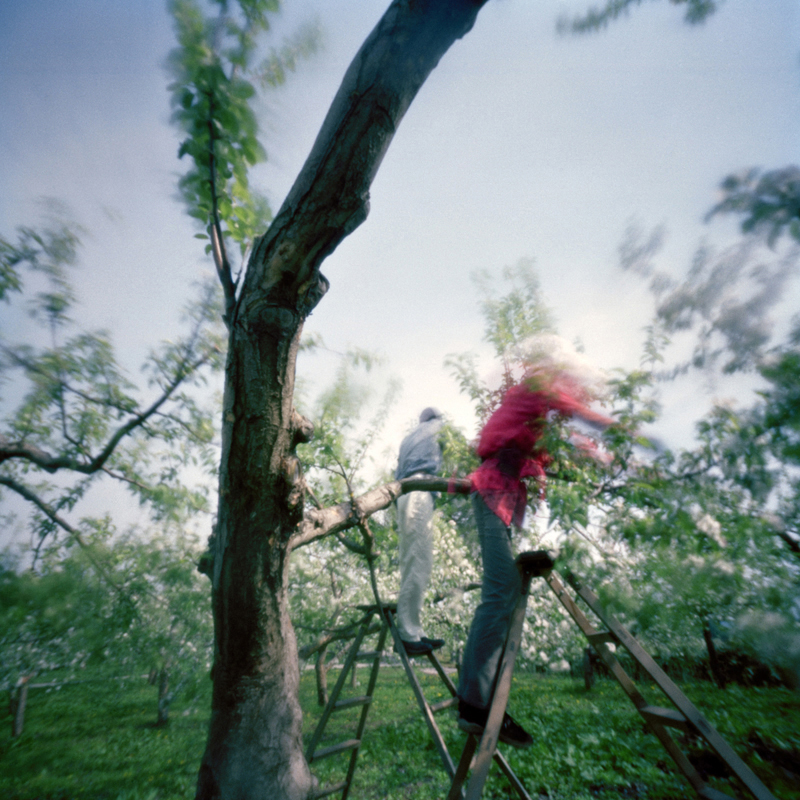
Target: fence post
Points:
(321, 673)
(19, 698)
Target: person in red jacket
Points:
(511, 449)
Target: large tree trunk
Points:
(254, 747)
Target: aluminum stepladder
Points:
(684, 716)
(386, 625)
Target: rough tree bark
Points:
(254, 747)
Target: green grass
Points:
(586, 744)
(98, 741)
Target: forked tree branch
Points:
(41, 458)
(330, 197)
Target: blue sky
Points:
(521, 144)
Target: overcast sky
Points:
(520, 144)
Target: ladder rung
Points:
(601, 637)
(713, 794)
(352, 701)
(350, 744)
(665, 716)
(443, 704)
(332, 788)
(367, 655)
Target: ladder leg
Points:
(456, 791)
(436, 734)
(373, 679)
(491, 733)
(530, 564)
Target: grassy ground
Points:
(98, 741)
(587, 744)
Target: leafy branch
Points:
(54, 516)
(211, 96)
(596, 19)
(769, 201)
(20, 449)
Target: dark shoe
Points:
(436, 644)
(512, 733)
(473, 720)
(535, 562)
(420, 648)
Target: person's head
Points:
(550, 362)
(430, 413)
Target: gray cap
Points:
(429, 414)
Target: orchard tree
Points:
(43, 618)
(81, 423)
(80, 420)
(254, 745)
(713, 530)
(81, 409)
(66, 616)
(724, 302)
(168, 629)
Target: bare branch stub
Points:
(323, 522)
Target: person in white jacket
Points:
(420, 455)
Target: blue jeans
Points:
(499, 594)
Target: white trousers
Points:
(414, 521)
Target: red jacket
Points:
(510, 448)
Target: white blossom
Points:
(711, 528)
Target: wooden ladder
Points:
(386, 614)
(479, 752)
(683, 716)
(354, 656)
